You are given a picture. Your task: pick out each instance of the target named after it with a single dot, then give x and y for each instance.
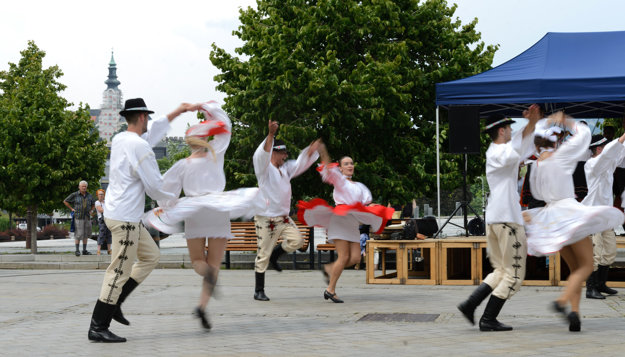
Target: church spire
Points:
(112, 81)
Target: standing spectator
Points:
(274, 174)
(133, 173)
(104, 235)
(82, 204)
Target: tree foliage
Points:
(358, 74)
(46, 149)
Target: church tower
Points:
(109, 121)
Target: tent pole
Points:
(438, 170)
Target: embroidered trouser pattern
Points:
(134, 255)
(604, 248)
(507, 252)
(268, 231)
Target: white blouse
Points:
(552, 178)
(502, 171)
(201, 175)
(600, 174)
(345, 192)
(275, 183)
(133, 173)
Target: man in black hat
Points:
(274, 174)
(505, 236)
(599, 170)
(133, 173)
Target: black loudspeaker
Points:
(476, 227)
(427, 226)
(464, 129)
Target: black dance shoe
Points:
(575, 324)
(203, 318)
(556, 307)
(327, 295)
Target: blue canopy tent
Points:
(582, 73)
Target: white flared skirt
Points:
(207, 215)
(565, 222)
(342, 221)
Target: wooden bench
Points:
(245, 240)
(326, 247)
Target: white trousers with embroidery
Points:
(268, 231)
(135, 255)
(507, 252)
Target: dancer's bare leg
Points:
(206, 256)
(335, 269)
(570, 260)
(348, 254)
(579, 258)
(584, 257)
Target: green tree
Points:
(359, 74)
(46, 149)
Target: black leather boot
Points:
(591, 287)
(489, 322)
(602, 277)
(275, 255)
(259, 290)
(100, 322)
(468, 306)
(118, 316)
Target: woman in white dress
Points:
(206, 210)
(342, 222)
(564, 224)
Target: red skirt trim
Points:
(317, 211)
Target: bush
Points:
(57, 231)
(19, 234)
(4, 224)
(5, 236)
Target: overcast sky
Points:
(162, 48)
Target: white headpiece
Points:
(547, 132)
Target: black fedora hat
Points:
(496, 121)
(279, 145)
(135, 105)
(597, 140)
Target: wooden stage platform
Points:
(459, 261)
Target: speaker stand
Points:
(464, 204)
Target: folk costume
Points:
(133, 173)
(505, 236)
(343, 221)
(274, 222)
(351, 209)
(206, 209)
(564, 221)
(599, 172)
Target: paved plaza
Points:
(47, 313)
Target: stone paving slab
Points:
(47, 312)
